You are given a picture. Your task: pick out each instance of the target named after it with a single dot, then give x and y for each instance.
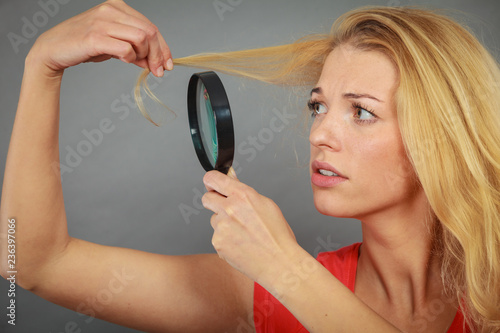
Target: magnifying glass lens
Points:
(210, 122)
(206, 119)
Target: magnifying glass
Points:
(210, 122)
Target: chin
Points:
(334, 208)
(343, 206)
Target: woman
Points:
(405, 138)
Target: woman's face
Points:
(355, 135)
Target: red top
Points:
(270, 316)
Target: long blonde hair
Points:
(448, 104)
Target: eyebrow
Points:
(318, 90)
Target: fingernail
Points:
(159, 71)
(170, 64)
(232, 173)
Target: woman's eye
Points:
(316, 108)
(362, 114)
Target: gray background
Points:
(129, 191)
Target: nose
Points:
(326, 133)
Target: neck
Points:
(397, 257)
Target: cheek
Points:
(400, 178)
(382, 166)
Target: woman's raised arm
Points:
(141, 290)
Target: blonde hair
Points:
(448, 104)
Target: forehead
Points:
(349, 69)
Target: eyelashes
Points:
(312, 106)
(361, 113)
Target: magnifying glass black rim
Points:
(223, 121)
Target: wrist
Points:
(35, 63)
(289, 272)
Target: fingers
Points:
(223, 184)
(136, 37)
(159, 49)
(119, 49)
(213, 201)
(150, 35)
(213, 221)
(232, 173)
(226, 196)
(133, 27)
(167, 55)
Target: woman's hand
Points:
(250, 232)
(109, 30)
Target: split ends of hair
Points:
(142, 84)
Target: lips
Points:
(325, 175)
(317, 166)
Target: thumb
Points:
(231, 173)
